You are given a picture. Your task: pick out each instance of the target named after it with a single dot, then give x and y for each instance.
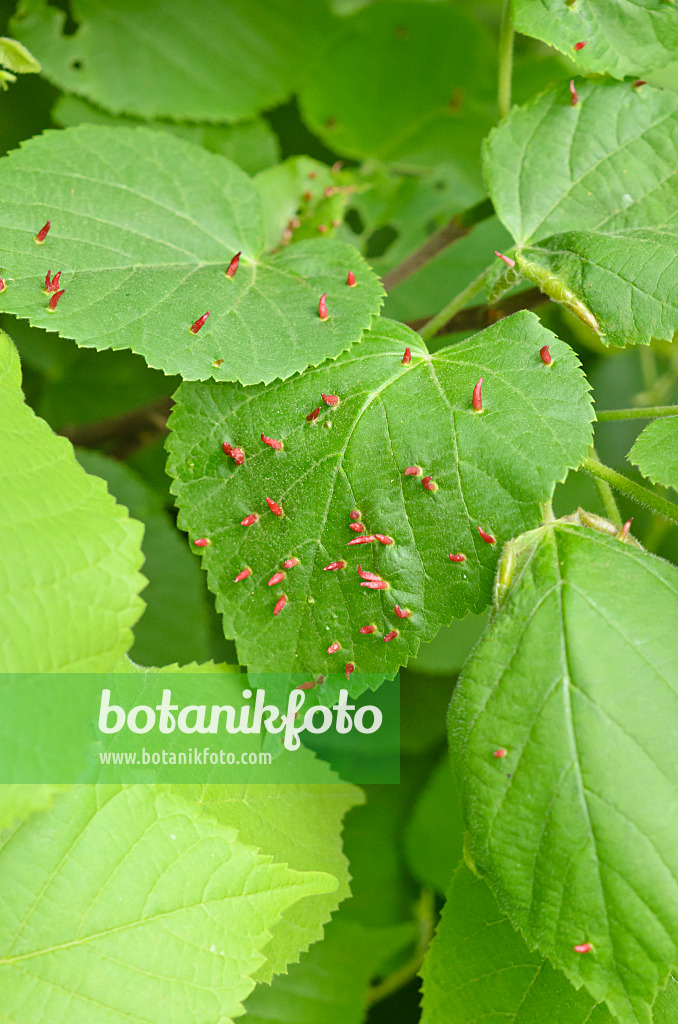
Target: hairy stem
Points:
(650, 413)
(458, 227)
(632, 490)
(398, 979)
(437, 322)
(605, 493)
(505, 60)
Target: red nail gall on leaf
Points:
(501, 752)
(333, 648)
(43, 232)
(350, 668)
(366, 575)
(280, 604)
(313, 415)
(52, 283)
(272, 443)
(290, 563)
(274, 507)
(407, 357)
(202, 542)
(322, 306)
(334, 565)
(487, 537)
(367, 538)
(356, 527)
(366, 630)
(355, 514)
(243, 574)
(52, 304)
(350, 280)
(545, 355)
(199, 323)
(507, 259)
(248, 520)
(276, 578)
(233, 265)
(429, 484)
(477, 399)
(391, 636)
(402, 613)
(413, 471)
(457, 558)
(584, 947)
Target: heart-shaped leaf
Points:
(143, 229)
(606, 164)
(222, 61)
(655, 452)
(564, 724)
(621, 37)
(624, 285)
(338, 476)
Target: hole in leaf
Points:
(76, 65)
(380, 240)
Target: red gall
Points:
(383, 539)
(501, 752)
(43, 232)
(507, 259)
(457, 558)
(584, 947)
(52, 283)
(413, 471)
(545, 355)
(199, 323)
(52, 305)
(350, 280)
(312, 174)
(272, 443)
(322, 307)
(336, 223)
(334, 565)
(202, 542)
(371, 628)
(574, 98)
(248, 520)
(294, 223)
(429, 484)
(308, 196)
(322, 228)
(391, 636)
(276, 578)
(274, 507)
(333, 648)
(477, 400)
(2, 285)
(350, 668)
(639, 82)
(290, 563)
(355, 514)
(376, 585)
(366, 575)
(402, 613)
(356, 527)
(243, 574)
(367, 538)
(313, 415)
(217, 362)
(579, 46)
(487, 537)
(624, 532)
(407, 357)
(237, 454)
(330, 399)
(280, 604)
(233, 265)
(336, 166)
(306, 686)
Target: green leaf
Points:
(575, 827)
(423, 93)
(478, 967)
(623, 285)
(623, 37)
(224, 62)
(604, 165)
(330, 984)
(144, 226)
(69, 580)
(434, 838)
(491, 470)
(18, 800)
(174, 625)
(262, 815)
(17, 58)
(252, 145)
(10, 365)
(655, 452)
(127, 906)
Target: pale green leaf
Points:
(330, 984)
(301, 825)
(623, 37)
(575, 827)
(69, 579)
(655, 452)
(491, 470)
(143, 227)
(16, 57)
(434, 838)
(623, 285)
(478, 968)
(10, 364)
(252, 145)
(405, 83)
(223, 60)
(606, 164)
(19, 800)
(123, 905)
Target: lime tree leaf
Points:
(252, 145)
(606, 164)
(623, 37)
(330, 984)
(222, 62)
(19, 800)
(655, 452)
(479, 967)
(491, 470)
(434, 839)
(143, 228)
(414, 99)
(123, 904)
(575, 827)
(69, 579)
(301, 826)
(10, 364)
(624, 285)
(174, 625)
(15, 56)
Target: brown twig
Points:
(477, 317)
(121, 436)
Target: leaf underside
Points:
(575, 828)
(491, 469)
(143, 228)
